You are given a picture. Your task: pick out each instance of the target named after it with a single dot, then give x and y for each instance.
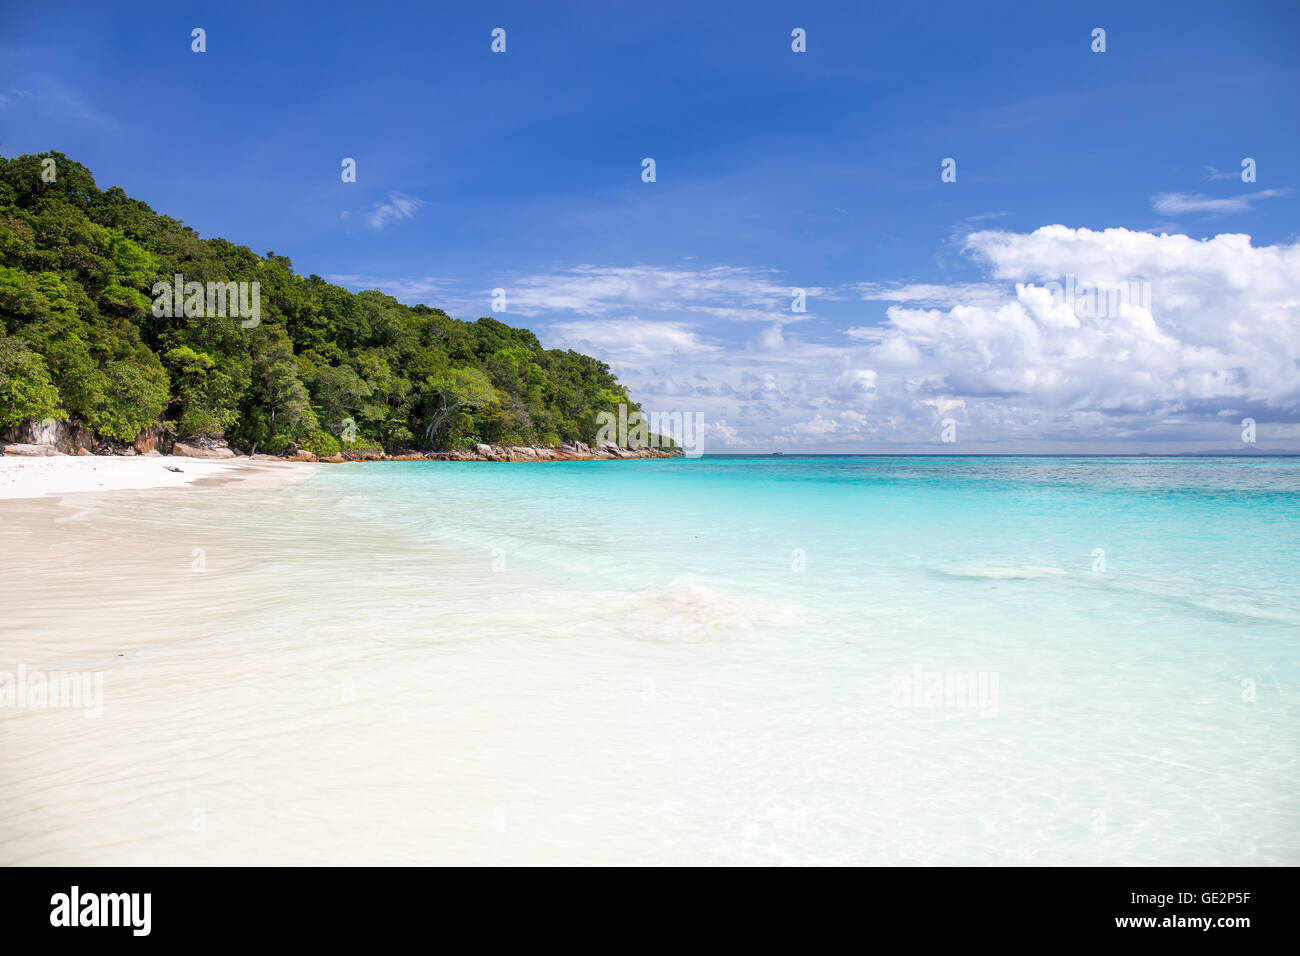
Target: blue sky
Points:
(775, 170)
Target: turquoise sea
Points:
(932, 660)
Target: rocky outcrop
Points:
(67, 436)
(363, 454)
(195, 451)
(109, 446)
(570, 451)
(155, 438)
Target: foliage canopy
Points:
(78, 337)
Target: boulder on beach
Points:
(155, 438)
(32, 451)
(194, 451)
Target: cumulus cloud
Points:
(1075, 336)
(853, 382)
(1221, 327)
(719, 433)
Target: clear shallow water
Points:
(623, 662)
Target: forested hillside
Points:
(79, 338)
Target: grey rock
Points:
(25, 450)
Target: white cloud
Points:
(854, 382)
(890, 350)
(945, 405)
(815, 430)
(933, 295)
(732, 294)
(398, 207)
(419, 289)
(771, 339)
(1173, 204)
(719, 433)
(1222, 327)
(1216, 339)
(624, 341)
(1212, 172)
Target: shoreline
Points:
(149, 445)
(572, 451)
(41, 471)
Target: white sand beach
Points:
(22, 477)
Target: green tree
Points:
(338, 392)
(453, 391)
(277, 394)
(207, 397)
(132, 396)
(25, 387)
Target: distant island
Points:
(124, 332)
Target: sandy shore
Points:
(67, 475)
